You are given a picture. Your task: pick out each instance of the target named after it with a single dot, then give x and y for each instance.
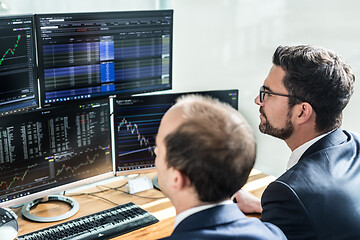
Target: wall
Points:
(229, 44)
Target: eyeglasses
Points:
(263, 91)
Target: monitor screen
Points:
(89, 55)
(136, 124)
(52, 150)
(18, 90)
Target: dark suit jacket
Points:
(224, 222)
(319, 197)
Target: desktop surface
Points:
(91, 204)
(152, 201)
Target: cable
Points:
(104, 199)
(82, 194)
(120, 190)
(93, 194)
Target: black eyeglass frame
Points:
(263, 91)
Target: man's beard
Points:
(284, 133)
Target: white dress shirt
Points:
(181, 216)
(299, 151)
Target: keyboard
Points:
(101, 225)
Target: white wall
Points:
(229, 44)
(220, 44)
(54, 6)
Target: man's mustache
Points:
(261, 110)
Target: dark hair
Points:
(320, 77)
(214, 147)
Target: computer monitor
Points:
(51, 150)
(18, 89)
(89, 55)
(136, 122)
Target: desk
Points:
(159, 206)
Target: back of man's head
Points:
(214, 147)
(318, 76)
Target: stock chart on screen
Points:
(47, 148)
(137, 120)
(17, 64)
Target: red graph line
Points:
(133, 128)
(11, 50)
(74, 169)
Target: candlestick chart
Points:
(137, 120)
(137, 127)
(13, 50)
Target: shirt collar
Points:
(298, 152)
(181, 216)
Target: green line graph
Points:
(66, 168)
(11, 50)
(21, 178)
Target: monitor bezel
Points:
(56, 190)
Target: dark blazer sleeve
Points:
(282, 207)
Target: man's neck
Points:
(300, 137)
(185, 200)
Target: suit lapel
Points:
(332, 139)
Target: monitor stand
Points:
(72, 202)
(156, 183)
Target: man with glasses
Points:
(301, 102)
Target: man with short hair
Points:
(205, 151)
(301, 102)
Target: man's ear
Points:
(303, 113)
(179, 179)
